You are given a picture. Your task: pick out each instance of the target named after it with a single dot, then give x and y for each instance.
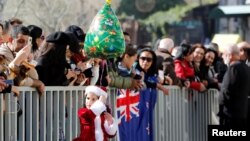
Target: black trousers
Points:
(248, 115)
(234, 123)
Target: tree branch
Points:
(46, 4)
(41, 19)
(18, 7)
(64, 11)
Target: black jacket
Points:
(234, 91)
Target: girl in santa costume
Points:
(96, 123)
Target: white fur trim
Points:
(98, 107)
(96, 90)
(111, 129)
(98, 129)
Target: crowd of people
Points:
(31, 58)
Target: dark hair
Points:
(247, 51)
(54, 52)
(195, 46)
(130, 50)
(185, 49)
(214, 51)
(19, 29)
(35, 32)
(126, 33)
(153, 68)
(203, 61)
(73, 43)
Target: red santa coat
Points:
(94, 127)
(184, 71)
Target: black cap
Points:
(74, 45)
(58, 38)
(77, 31)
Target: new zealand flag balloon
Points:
(105, 38)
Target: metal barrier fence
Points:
(185, 114)
(181, 116)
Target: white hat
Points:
(96, 90)
(166, 44)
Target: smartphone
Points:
(10, 82)
(161, 74)
(30, 41)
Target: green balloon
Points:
(105, 37)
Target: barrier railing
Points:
(181, 116)
(185, 114)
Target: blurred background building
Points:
(145, 20)
(233, 16)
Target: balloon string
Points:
(108, 1)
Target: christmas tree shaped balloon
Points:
(105, 38)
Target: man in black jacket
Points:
(244, 48)
(234, 91)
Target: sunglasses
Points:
(148, 59)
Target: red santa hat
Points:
(96, 90)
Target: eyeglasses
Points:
(148, 59)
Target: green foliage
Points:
(128, 7)
(170, 16)
(165, 13)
